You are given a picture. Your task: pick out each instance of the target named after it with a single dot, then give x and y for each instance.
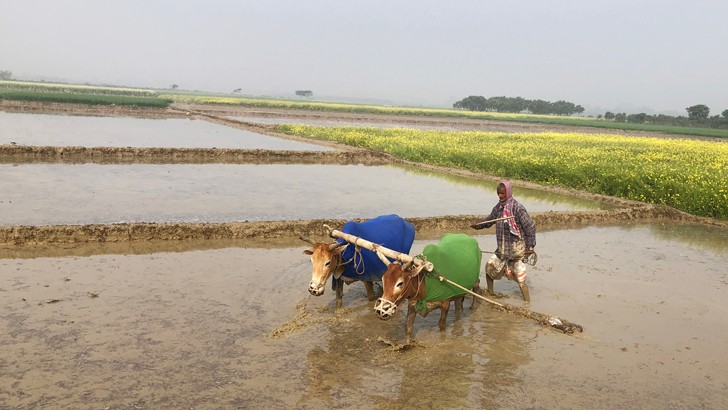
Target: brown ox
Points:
(456, 258)
(408, 283)
(327, 261)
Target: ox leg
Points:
(489, 282)
(524, 291)
(370, 289)
(477, 290)
(410, 324)
(444, 308)
(459, 303)
(339, 293)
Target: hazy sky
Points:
(621, 55)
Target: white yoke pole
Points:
(379, 249)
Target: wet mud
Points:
(234, 327)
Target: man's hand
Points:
(529, 251)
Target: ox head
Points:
(396, 287)
(326, 261)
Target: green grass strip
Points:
(75, 89)
(686, 174)
(83, 98)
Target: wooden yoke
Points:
(380, 250)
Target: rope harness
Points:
(357, 265)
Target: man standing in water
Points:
(516, 236)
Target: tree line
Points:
(698, 116)
(518, 105)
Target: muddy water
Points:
(236, 328)
(47, 194)
(86, 131)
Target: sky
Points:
(632, 56)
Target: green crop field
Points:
(80, 94)
(686, 174)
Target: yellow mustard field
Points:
(687, 174)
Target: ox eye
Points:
(327, 263)
(399, 284)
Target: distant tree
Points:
(472, 103)
(725, 113)
(621, 117)
(562, 108)
(637, 118)
(237, 90)
(174, 86)
(608, 115)
(6, 75)
(304, 93)
(698, 112)
(539, 107)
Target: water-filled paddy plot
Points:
(49, 194)
(65, 130)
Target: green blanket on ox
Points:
(457, 258)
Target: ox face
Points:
(326, 261)
(395, 288)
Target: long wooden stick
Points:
(494, 220)
(444, 279)
(546, 320)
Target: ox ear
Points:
(308, 252)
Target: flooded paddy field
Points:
(233, 326)
(57, 194)
(94, 131)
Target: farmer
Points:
(516, 237)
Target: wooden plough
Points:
(384, 253)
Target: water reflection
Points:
(52, 194)
(522, 194)
(705, 237)
(85, 131)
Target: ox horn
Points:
(407, 265)
(303, 238)
(337, 244)
(382, 257)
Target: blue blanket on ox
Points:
(390, 231)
